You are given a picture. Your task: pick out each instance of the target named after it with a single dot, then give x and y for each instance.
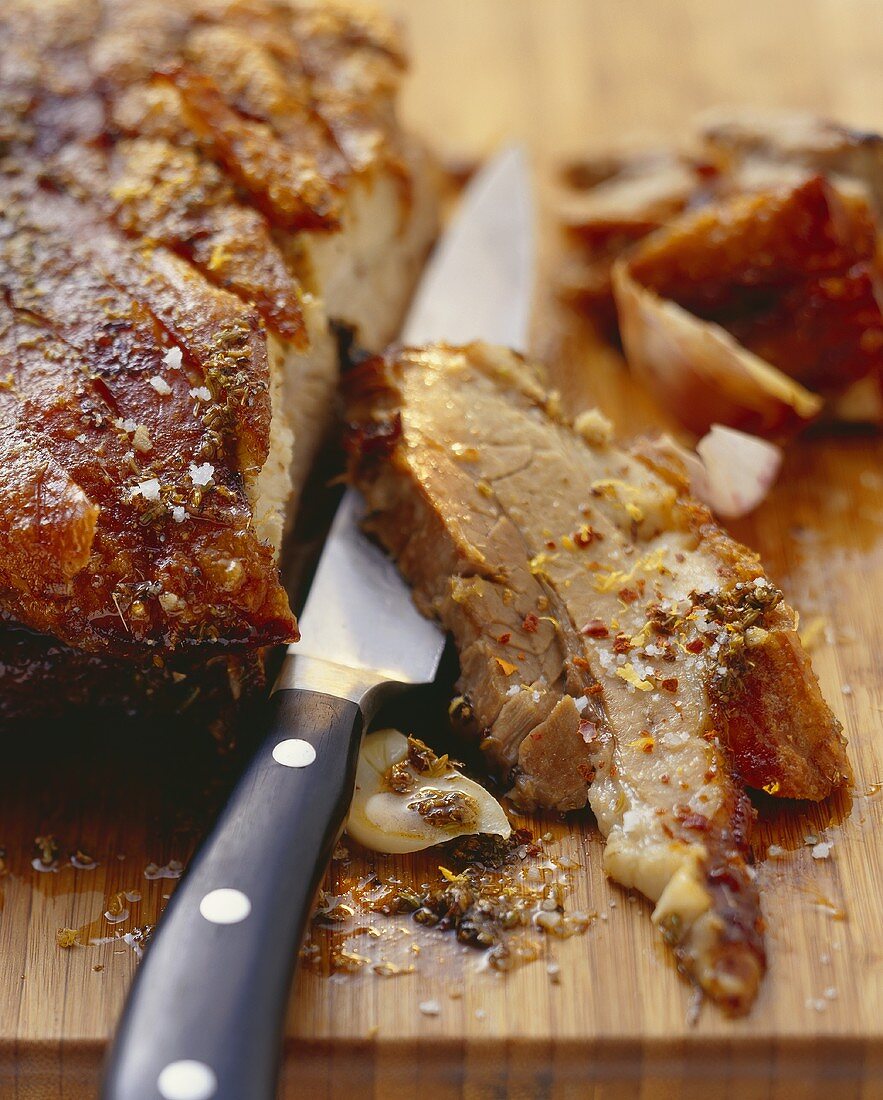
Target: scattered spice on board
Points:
(503, 897)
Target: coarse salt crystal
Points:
(160, 385)
(823, 849)
(581, 703)
(201, 475)
(173, 358)
(846, 689)
(775, 852)
(148, 489)
(179, 514)
(429, 1008)
(201, 393)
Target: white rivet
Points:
(294, 753)
(225, 906)
(187, 1080)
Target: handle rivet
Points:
(187, 1080)
(225, 906)
(294, 753)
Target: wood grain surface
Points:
(566, 77)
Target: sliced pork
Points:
(617, 648)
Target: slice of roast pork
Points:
(617, 648)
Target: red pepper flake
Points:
(586, 771)
(595, 628)
(550, 544)
(581, 662)
(530, 623)
(621, 643)
(504, 639)
(595, 689)
(628, 595)
(696, 646)
(669, 684)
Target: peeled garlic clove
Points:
(739, 470)
(426, 808)
(730, 471)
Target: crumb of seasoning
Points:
(160, 385)
(173, 358)
(201, 475)
(67, 937)
(429, 1008)
(141, 440)
(776, 852)
(98, 967)
(179, 514)
(846, 689)
(822, 850)
(201, 393)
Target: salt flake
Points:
(201, 475)
(160, 385)
(148, 489)
(173, 358)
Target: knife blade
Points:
(204, 1018)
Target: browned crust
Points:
(82, 344)
(155, 162)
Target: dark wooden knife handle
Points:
(205, 1015)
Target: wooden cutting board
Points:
(602, 1014)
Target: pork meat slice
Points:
(617, 648)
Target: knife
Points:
(204, 1018)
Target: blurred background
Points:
(571, 76)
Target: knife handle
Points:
(204, 1018)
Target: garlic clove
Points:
(432, 802)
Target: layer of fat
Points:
(365, 272)
(302, 391)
